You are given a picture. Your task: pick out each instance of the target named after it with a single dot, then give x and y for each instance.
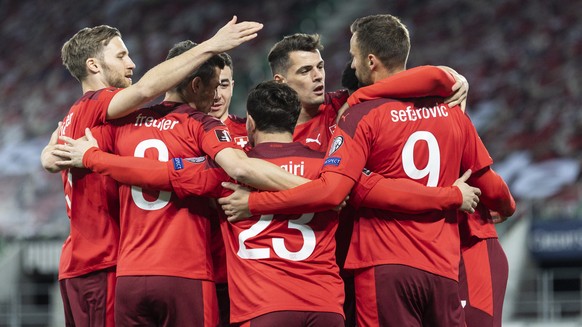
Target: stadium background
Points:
(523, 60)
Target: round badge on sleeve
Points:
(338, 141)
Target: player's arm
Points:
(324, 193)
(178, 175)
(416, 82)
(495, 194)
(257, 173)
(407, 196)
(169, 73)
(47, 159)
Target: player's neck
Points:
(307, 113)
(262, 137)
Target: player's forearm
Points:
(495, 194)
(142, 172)
(266, 176)
(415, 82)
(407, 196)
(158, 80)
(324, 193)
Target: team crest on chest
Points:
(336, 144)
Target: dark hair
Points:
(86, 43)
(227, 61)
(274, 107)
(206, 71)
(279, 54)
(349, 79)
(384, 36)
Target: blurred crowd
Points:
(523, 61)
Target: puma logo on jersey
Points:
(163, 124)
(315, 140)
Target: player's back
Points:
(91, 199)
(160, 233)
(423, 140)
(281, 262)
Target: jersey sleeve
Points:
(214, 137)
(321, 194)
(102, 99)
(495, 194)
(403, 195)
(197, 176)
(422, 81)
(475, 155)
(335, 100)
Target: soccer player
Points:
(237, 127)
(99, 60)
(406, 266)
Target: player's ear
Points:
(251, 126)
(373, 62)
(279, 78)
(92, 64)
(196, 84)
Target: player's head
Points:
(296, 60)
(349, 78)
(98, 51)
(272, 107)
(199, 88)
(378, 41)
(221, 103)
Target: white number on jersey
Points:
(433, 166)
(136, 192)
(278, 242)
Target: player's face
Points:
(363, 72)
(219, 108)
(306, 75)
(117, 66)
(208, 93)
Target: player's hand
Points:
(496, 217)
(236, 205)
(47, 158)
(460, 89)
(342, 205)
(470, 194)
(233, 34)
(73, 150)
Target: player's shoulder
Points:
(237, 120)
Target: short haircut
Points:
(274, 107)
(279, 54)
(384, 36)
(349, 79)
(227, 61)
(87, 43)
(206, 71)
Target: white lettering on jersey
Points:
(295, 169)
(163, 124)
(414, 114)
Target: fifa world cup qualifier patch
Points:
(338, 141)
(223, 135)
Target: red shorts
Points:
(398, 295)
(88, 300)
(483, 277)
(296, 319)
(165, 301)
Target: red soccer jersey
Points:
(91, 199)
(422, 140)
(238, 130)
(477, 225)
(316, 133)
(284, 263)
(160, 233)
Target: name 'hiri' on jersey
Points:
(295, 169)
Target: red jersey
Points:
(160, 233)
(284, 262)
(477, 225)
(92, 201)
(316, 133)
(238, 130)
(422, 140)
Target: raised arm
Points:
(169, 73)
